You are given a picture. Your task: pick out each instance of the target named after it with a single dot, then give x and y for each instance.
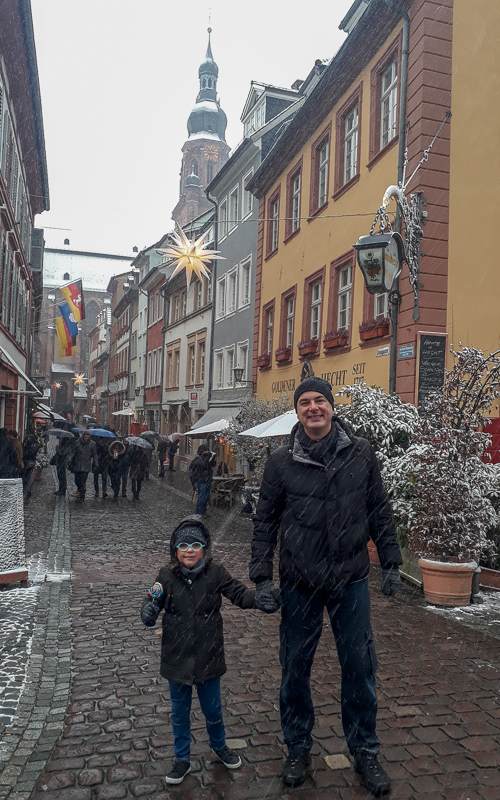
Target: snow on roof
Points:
(95, 269)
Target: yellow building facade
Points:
(323, 181)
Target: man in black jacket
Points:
(324, 496)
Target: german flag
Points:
(73, 294)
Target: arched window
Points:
(194, 168)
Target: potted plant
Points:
(335, 339)
(283, 355)
(264, 361)
(374, 329)
(308, 348)
(441, 488)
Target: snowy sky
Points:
(118, 80)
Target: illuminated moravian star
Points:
(79, 378)
(191, 256)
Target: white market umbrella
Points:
(125, 412)
(277, 426)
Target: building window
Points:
(316, 303)
(289, 319)
(351, 144)
(200, 364)
(381, 305)
(232, 287)
(245, 278)
(344, 297)
(194, 168)
(176, 368)
(268, 328)
(191, 364)
(233, 209)
(223, 219)
(221, 297)
(219, 369)
(273, 213)
(320, 172)
(197, 294)
(183, 303)
(384, 100)
(323, 174)
(293, 200)
(242, 358)
(388, 104)
(229, 366)
(247, 196)
(313, 306)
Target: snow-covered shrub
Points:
(251, 450)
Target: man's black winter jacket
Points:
(324, 515)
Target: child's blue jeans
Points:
(211, 705)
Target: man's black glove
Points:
(149, 613)
(390, 582)
(267, 598)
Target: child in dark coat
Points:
(189, 591)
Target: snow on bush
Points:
(250, 449)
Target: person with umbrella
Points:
(200, 473)
(84, 458)
(61, 458)
(323, 495)
(118, 463)
(101, 466)
(138, 467)
(163, 446)
(173, 446)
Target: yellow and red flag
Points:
(73, 294)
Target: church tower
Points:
(205, 151)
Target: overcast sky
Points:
(118, 80)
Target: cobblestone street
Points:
(439, 680)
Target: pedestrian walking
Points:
(162, 455)
(172, 450)
(138, 469)
(118, 463)
(323, 493)
(101, 468)
(60, 459)
(15, 441)
(200, 473)
(8, 457)
(189, 592)
(82, 462)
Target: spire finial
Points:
(209, 31)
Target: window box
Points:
(308, 347)
(374, 329)
(335, 339)
(283, 355)
(264, 361)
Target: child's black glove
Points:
(149, 613)
(267, 598)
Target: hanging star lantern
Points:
(79, 378)
(191, 256)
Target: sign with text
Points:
(194, 399)
(431, 364)
(339, 377)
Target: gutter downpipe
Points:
(214, 287)
(397, 225)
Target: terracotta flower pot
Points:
(490, 578)
(373, 554)
(447, 584)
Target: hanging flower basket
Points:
(309, 347)
(374, 329)
(264, 361)
(335, 339)
(284, 355)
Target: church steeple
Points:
(205, 151)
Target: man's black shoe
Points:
(372, 774)
(296, 769)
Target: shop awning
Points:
(48, 412)
(214, 420)
(20, 372)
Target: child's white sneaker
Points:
(178, 772)
(229, 758)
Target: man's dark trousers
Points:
(300, 632)
(61, 478)
(81, 482)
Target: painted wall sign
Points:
(431, 364)
(281, 387)
(383, 351)
(406, 350)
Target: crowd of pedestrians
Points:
(18, 458)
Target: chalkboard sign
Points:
(431, 364)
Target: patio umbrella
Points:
(102, 432)
(277, 426)
(174, 437)
(136, 441)
(60, 433)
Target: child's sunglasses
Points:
(183, 546)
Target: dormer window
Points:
(255, 119)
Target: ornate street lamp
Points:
(380, 257)
(238, 376)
